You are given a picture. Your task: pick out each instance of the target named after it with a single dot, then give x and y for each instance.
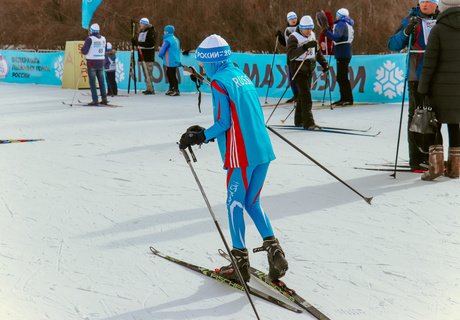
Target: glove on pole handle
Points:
(367, 199)
(235, 267)
(292, 79)
(402, 105)
(271, 69)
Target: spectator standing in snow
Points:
(343, 35)
(246, 150)
(440, 80)
(94, 51)
(170, 53)
(292, 23)
(110, 70)
(303, 52)
(146, 40)
(418, 24)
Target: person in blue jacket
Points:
(170, 53)
(246, 152)
(418, 24)
(342, 36)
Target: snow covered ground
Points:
(79, 211)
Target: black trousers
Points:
(342, 78)
(112, 88)
(303, 114)
(172, 79)
(418, 143)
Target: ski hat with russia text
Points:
(213, 49)
(306, 23)
(342, 13)
(291, 16)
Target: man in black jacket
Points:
(303, 52)
(145, 43)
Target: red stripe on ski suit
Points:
(235, 154)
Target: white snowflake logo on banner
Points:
(120, 72)
(390, 80)
(59, 67)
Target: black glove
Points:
(193, 135)
(325, 68)
(310, 44)
(411, 26)
(279, 33)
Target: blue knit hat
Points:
(213, 49)
(94, 28)
(433, 1)
(144, 21)
(291, 16)
(170, 28)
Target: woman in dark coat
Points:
(440, 81)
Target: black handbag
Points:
(424, 120)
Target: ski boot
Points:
(277, 262)
(242, 262)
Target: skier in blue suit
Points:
(170, 53)
(246, 151)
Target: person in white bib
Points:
(303, 52)
(94, 51)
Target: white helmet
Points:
(306, 23)
(291, 16)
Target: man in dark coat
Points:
(145, 43)
(440, 80)
(421, 15)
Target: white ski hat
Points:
(109, 46)
(446, 4)
(94, 28)
(144, 21)
(213, 49)
(291, 16)
(306, 23)
(342, 13)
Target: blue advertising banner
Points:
(31, 67)
(378, 78)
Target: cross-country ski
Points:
(284, 159)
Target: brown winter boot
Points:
(453, 164)
(242, 262)
(436, 160)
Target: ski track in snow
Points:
(80, 209)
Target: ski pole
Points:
(314, 83)
(327, 76)
(235, 267)
(367, 199)
(271, 70)
(76, 89)
(402, 105)
(292, 80)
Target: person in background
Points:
(110, 70)
(94, 51)
(170, 53)
(145, 42)
(416, 24)
(292, 23)
(343, 35)
(246, 151)
(303, 52)
(440, 81)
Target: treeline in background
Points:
(248, 25)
